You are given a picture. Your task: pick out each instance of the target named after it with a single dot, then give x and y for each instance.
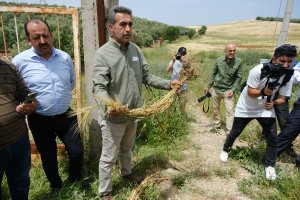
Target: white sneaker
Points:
(224, 156)
(270, 173)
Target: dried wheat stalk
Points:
(4, 57)
(154, 178)
(160, 105)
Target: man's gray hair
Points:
(117, 9)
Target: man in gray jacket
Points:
(120, 69)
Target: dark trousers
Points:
(65, 126)
(290, 130)
(15, 162)
(269, 130)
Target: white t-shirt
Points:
(254, 107)
(177, 67)
(296, 76)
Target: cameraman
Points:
(253, 104)
(175, 66)
(176, 62)
(226, 75)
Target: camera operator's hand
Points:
(267, 91)
(269, 105)
(206, 90)
(229, 93)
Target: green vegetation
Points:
(279, 19)
(202, 30)
(162, 138)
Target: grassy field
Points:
(162, 138)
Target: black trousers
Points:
(65, 126)
(290, 130)
(269, 130)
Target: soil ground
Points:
(208, 176)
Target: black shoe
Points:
(54, 192)
(134, 178)
(291, 152)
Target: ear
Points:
(28, 40)
(110, 27)
(273, 59)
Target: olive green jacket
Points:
(119, 74)
(226, 76)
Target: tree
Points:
(171, 33)
(191, 33)
(202, 30)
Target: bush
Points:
(171, 33)
(191, 33)
(202, 30)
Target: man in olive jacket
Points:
(120, 69)
(226, 75)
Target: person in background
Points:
(253, 104)
(282, 113)
(177, 61)
(15, 158)
(291, 129)
(176, 66)
(225, 79)
(120, 69)
(50, 72)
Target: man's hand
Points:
(229, 93)
(267, 91)
(117, 111)
(175, 84)
(269, 105)
(26, 108)
(206, 90)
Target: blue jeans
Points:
(15, 161)
(269, 130)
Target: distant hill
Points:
(246, 34)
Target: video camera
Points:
(274, 71)
(207, 95)
(271, 70)
(178, 56)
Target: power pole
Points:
(285, 22)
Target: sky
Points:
(196, 12)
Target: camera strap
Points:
(207, 107)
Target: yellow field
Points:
(248, 34)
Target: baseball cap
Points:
(182, 51)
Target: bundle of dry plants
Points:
(158, 106)
(154, 178)
(5, 57)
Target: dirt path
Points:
(206, 177)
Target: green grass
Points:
(162, 138)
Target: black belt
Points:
(49, 116)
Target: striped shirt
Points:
(13, 90)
